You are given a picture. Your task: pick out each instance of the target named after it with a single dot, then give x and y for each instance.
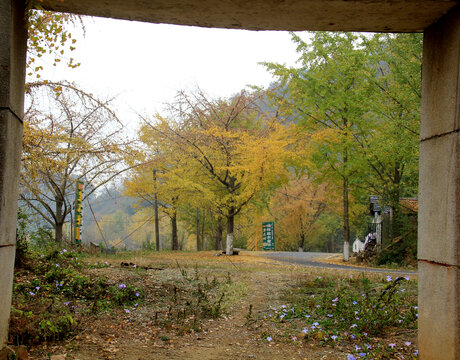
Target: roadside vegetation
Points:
(368, 317)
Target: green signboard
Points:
(268, 235)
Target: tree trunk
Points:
(346, 222)
(59, 223)
(230, 225)
(155, 205)
(203, 219)
(198, 244)
(302, 235)
(395, 223)
(157, 224)
(174, 240)
(219, 233)
(58, 233)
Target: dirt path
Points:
(234, 339)
(119, 335)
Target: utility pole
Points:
(155, 205)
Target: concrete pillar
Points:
(439, 194)
(13, 38)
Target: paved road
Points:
(311, 259)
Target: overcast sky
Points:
(144, 65)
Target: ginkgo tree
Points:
(223, 152)
(356, 99)
(49, 35)
(328, 95)
(69, 135)
(297, 207)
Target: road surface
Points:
(311, 259)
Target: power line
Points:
(132, 232)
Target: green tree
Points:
(329, 98)
(356, 99)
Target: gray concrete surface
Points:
(439, 192)
(12, 77)
(357, 15)
(313, 259)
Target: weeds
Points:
(50, 298)
(333, 311)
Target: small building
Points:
(358, 246)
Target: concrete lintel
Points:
(330, 15)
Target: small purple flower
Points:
(305, 330)
(316, 323)
(269, 338)
(362, 354)
(31, 293)
(408, 343)
(137, 294)
(294, 338)
(67, 303)
(136, 304)
(392, 345)
(121, 286)
(350, 357)
(307, 316)
(407, 278)
(355, 302)
(37, 287)
(388, 278)
(352, 326)
(127, 311)
(357, 347)
(319, 277)
(335, 300)
(333, 337)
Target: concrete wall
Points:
(12, 75)
(439, 198)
